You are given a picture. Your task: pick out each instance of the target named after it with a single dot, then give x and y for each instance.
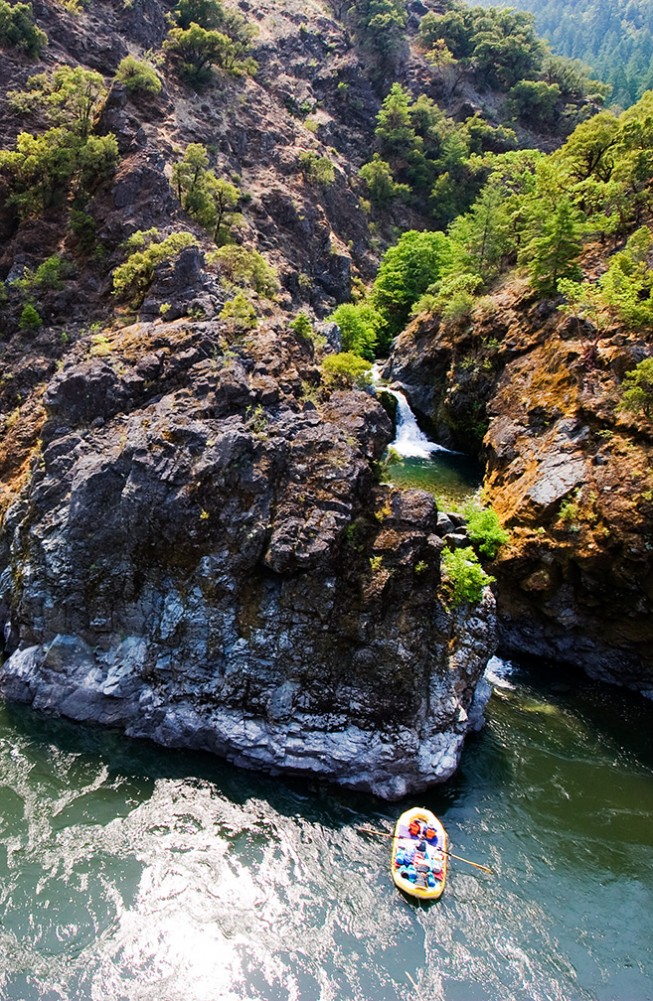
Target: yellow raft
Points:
(419, 865)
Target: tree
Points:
(18, 30)
(589, 151)
(43, 170)
(68, 96)
(210, 200)
(380, 25)
(553, 253)
(196, 50)
(360, 325)
(381, 186)
(406, 271)
(637, 389)
(481, 237)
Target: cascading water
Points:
(410, 441)
(416, 461)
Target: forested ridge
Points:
(614, 37)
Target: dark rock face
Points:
(199, 568)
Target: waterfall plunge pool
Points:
(416, 461)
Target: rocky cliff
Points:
(203, 558)
(535, 393)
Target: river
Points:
(130, 872)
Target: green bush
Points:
(132, 279)
(484, 529)
(317, 169)
(302, 327)
(48, 277)
(464, 577)
(29, 318)
(138, 76)
(360, 325)
(627, 286)
(346, 371)
(637, 389)
(245, 268)
(534, 101)
(17, 29)
(239, 313)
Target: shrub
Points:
(133, 278)
(535, 101)
(29, 318)
(484, 529)
(637, 389)
(465, 578)
(17, 29)
(360, 325)
(454, 299)
(83, 226)
(138, 76)
(302, 327)
(239, 313)
(346, 371)
(317, 169)
(49, 276)
(627, 285)
(246, 268)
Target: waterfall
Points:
(410, 441)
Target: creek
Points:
(130, 872)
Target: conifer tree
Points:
(553, 253)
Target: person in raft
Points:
(431, 837)
(413, 832)
(409, 837)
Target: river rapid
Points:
(130, 872)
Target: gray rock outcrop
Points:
(208, 570)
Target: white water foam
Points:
(498, 672)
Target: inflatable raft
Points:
(419, 863)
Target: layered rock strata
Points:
(203, 558)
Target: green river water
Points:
(130, 872)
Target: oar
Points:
(384, 834)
